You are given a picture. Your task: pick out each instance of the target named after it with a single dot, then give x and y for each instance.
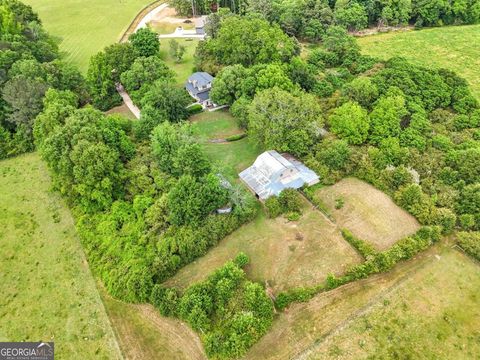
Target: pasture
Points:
(284, 254)
(48, 292)
(425, 308)
(451, 47)
(367, 212)
(143, 334)
(86, 27)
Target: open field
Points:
(144, 334)
(454, 47)
(368, 213)
(286, 254)
(184, 68)
(426, 308)
(48, 292)
(86, 27)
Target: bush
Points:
(241, 260)
(274, 209)
(290, 201)
(164, 299)
(236, 137)
(470, 242)
(195, 109)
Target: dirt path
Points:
(128, 101)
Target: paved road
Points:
(150, 16)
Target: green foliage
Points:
(364, 248)
(195, 109)
(274, 209)
(246, 41)
(470, 242)
(167, 98)
(283, 121)
(176, 50)
(350, 121)
(376, 262)
(236, 137)
(231, 312)
(101, 84)
(351, 15)
(362, 90)
(145, 71)
(145, 41)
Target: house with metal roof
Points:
(271, 173)
(198, 86)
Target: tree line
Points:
(30, 65)
(309, 19)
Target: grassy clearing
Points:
(86, 27)
(122, 110)
(214, 125)
(184, 68)
(48, 292)
(144, 334)
(286, 254)
(367, 212)
(231, 157)
(448, 47)
(426, 308)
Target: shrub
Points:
(195, 109)
(290, 201)
(164, 299)
(470, 242)
(274, 209)
(236, 137)
(241, 260)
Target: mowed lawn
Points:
(85, 27)
(48, 292)
(229, 157)
(426, 308)
(286, 254)
(455, 47)
(185, 67)
(367, 212)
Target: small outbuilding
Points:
(271, 173)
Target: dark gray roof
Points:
(201, 78)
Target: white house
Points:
(271, 173)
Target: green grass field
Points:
(48, 292)
(454, 47)
(229, 157)
(86, 27)
(184, 68)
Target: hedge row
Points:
(365, 249)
